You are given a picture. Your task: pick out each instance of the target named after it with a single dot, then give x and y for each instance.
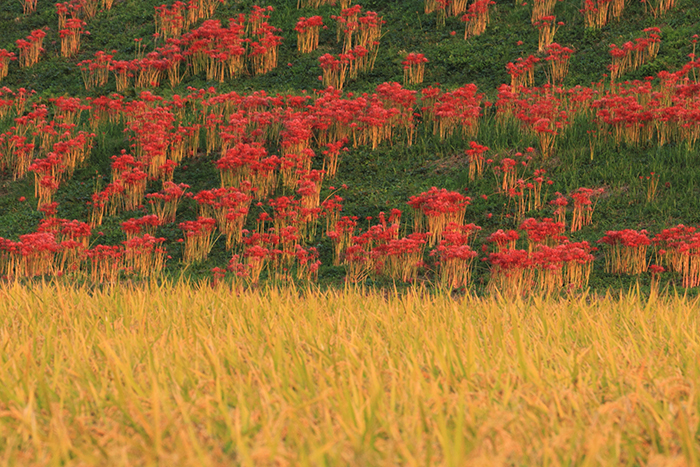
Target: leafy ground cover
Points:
(503, 112)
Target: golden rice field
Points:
(188, 375)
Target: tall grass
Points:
(188, 375)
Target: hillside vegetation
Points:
(601, 142)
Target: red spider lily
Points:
(229, 206)
(626, 252)
(596, 13)
(95, 73)
(263, 52)
(70, 36)
(170, 20)
(309, 191)
(144, 255)
(375, 122)
(5, 59)
(477, 18)
(104, 262)
(455, 256)
(126, 171)
(335, 70)
(72, 8)
(400, 258)
(236, 165)
(341, 234)
(634, 54)
(331, 208)
(30, 48)
(286, 212)
(68, 109)
(64, 229)
(218, 51)
(49, 210)
(545, 232)
(332, 156)
(72, 237)
(567, 264)
(546, 26)
(173, 56)
(689, 252)
(369, 33)
(439, 6)
(374, 242)
(308, 263)
(540, 111)
(150, 70)
(308, 30)
(503, 240)
(522, 72)
(256, 257)
(414, 68)
(616, 10)
(46, 175)
(123, 71)
(346, 25)
(511, 271)
(141, 225)
(584, 206)
(112, 195)
(164, 204)
(457, 7)
(669, 243)
(403, 100)
(578, 262)
(435, 209)
(358, 266)
(22, 155)
(476, 159)
(558, 60)
(459, 108)
(508, 168)
(199, 239)
(33, 255)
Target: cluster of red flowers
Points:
(597, 13)
(447, 111)
(70, 36)
(308, 31)
(30, 48)
(199, 238)
(632, 55)
(477, 18)
(548, 269)
(679, 248)
(60, 246)
(626, 252)
(413, 68)
(435, 209)
(5, 59)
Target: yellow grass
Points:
(189, 375)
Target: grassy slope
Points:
(387, 177)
